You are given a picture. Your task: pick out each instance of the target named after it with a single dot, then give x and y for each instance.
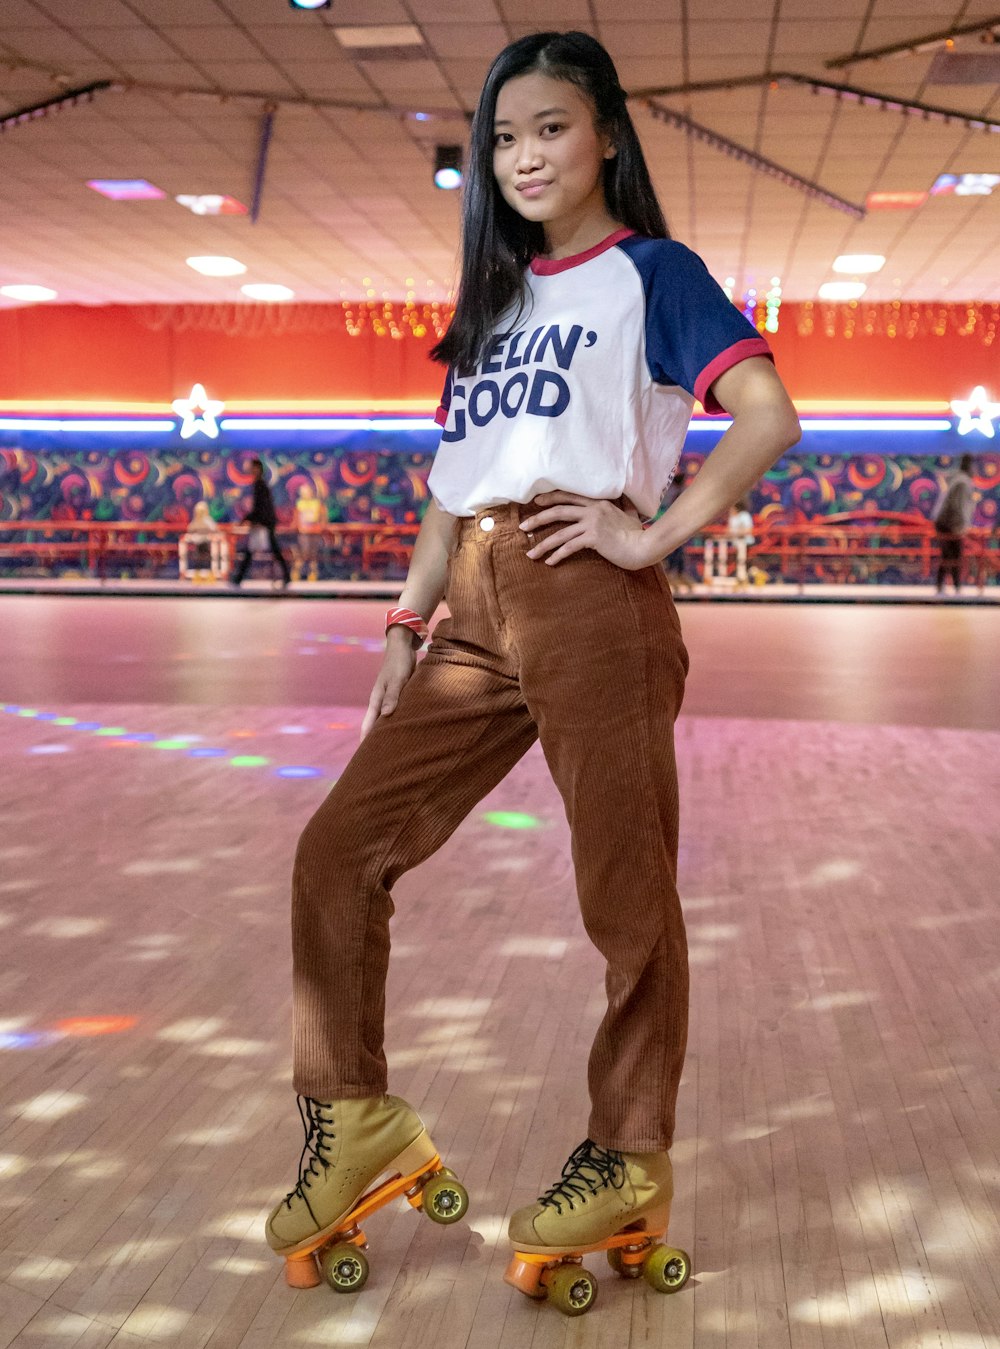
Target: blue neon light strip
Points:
(895, 424)
(84, 425)
(328, 424)
(388, 425)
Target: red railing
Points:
(845, 547)
(97, 545)
(831, 547)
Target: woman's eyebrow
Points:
(546, 112)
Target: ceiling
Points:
(349, 208)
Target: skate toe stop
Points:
(302, 1273)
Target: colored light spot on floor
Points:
(27, 712)
(46, 716)
(64, 721)
(206, 752)
(11, 707)
(338, 725)
(243, 735)
(28, 1039)
(95, 1025)
(141, 737)
(112, 730)
(49, 749)
(298, 771)
(248, 761)
(87, 726)
(294, 730)
(170, 744)
(510, 819)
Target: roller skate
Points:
(606, 1201)
(350, 1144)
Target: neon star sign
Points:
(976, 413)
(198, 412)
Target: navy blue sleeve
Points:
(694, 333)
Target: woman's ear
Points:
(610, 152)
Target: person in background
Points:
(309, 520)
(200, 548)
(675, 564)
(952, 520)
(262, 515)
(740, 527)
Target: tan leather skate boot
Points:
(349, 1144)
(600, 1193)
(618, 1202)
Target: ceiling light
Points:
(28, 292)
(887, 201)
(857, 264)
(265, 290)
(380, 35)
(126, 189)
(448, 167)
(965, 184)
(212, 205)
(217, 266)
(842, 290)
(310, 4)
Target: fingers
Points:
(382, 703)
(571, 511)
(574, 546)
(558, 541)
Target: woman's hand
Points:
(398, 664)
(601, 525)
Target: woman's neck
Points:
(565, 238)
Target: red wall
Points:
(60, 354)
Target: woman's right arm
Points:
(423, 592)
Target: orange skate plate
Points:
(543, 1255)
(369, 1203)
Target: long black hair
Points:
(497, 243)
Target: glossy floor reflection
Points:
(836, 1156)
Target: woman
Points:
(581, 337)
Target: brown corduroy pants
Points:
(589, 658)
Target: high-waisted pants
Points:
(588, 658)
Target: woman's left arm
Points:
(765, 425)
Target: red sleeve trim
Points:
(441, 416)
(739, 351)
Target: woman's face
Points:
(548, 156)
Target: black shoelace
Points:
(588, 1170)
(317, 1130)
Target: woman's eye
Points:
(552, 126)
(501, 138)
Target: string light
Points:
(772, 303)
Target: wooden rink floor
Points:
(836, 1162)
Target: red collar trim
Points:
(548, 266)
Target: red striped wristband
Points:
(407, 618)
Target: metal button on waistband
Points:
(487, 523)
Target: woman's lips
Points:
(532, 189)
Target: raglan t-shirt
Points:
(590, 390)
